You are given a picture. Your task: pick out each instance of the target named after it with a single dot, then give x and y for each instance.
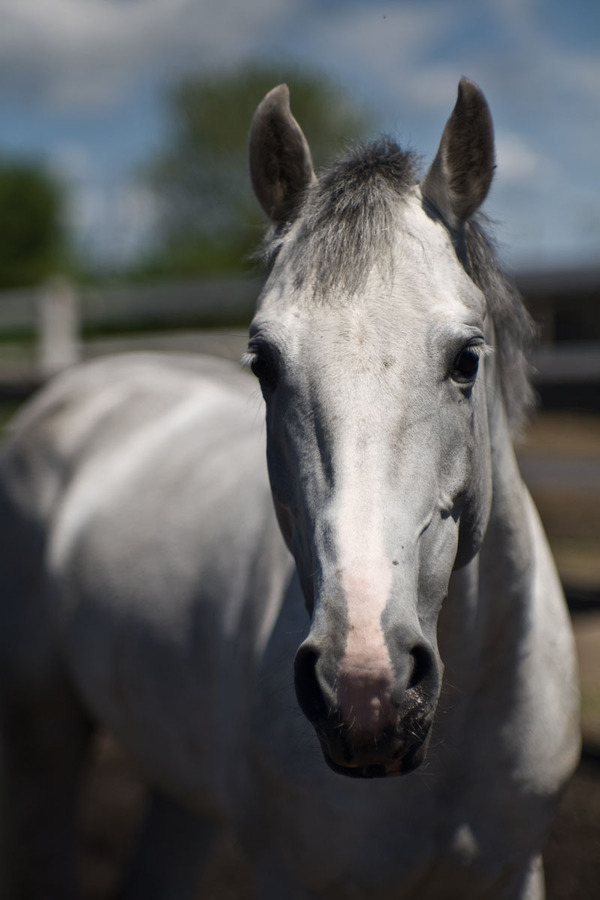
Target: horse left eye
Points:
(466, 364)
(264, 370)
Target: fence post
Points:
(58, 327)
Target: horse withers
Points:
(422, 631)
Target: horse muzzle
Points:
(395, 751)
(370, 723)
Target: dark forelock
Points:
(347, 219)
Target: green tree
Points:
(209, 221)
(31, 229)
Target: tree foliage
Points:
(209, 220)
(31, 232)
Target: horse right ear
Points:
(280, 162)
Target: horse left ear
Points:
(280, 162)
(460, 175)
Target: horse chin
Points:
(376, 770)
(403, 761)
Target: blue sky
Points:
(81, 83)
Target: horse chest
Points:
(390, 839)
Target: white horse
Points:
(423, 631)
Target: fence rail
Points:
(45, 330)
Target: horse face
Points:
(378, 458)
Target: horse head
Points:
(371, 342)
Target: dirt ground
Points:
(572, 853)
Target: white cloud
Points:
(87, 52)
(387, 47)
(69, 162)
(552, 65)
(108, 216)
(112, 222)
(404, 58)
(379, 33)
(517, 161)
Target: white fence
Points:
(46, 330)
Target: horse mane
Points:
(514, 328)
(346, 224)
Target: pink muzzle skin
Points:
(364, 700)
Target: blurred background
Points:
(126, 221)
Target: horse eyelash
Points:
(482, 350)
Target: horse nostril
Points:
(308, 691)
(422, 666)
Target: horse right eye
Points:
(467, 364)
